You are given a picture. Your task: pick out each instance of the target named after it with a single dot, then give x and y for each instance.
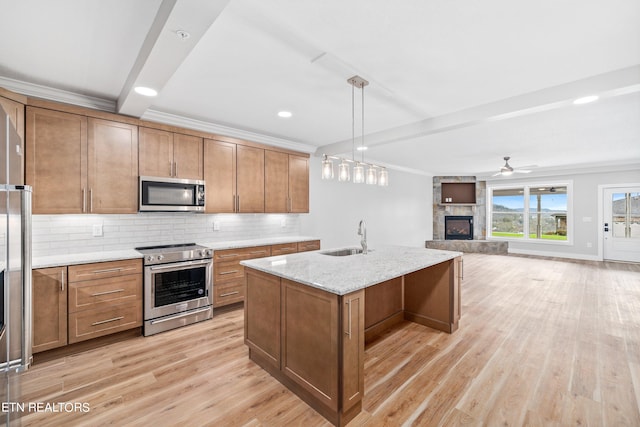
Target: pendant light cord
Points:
(353, 122)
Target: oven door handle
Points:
(177, 316)
(173, 266)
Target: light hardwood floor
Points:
(541, 342)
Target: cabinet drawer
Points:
(92, 294)
(284, 248)
(225, 271)
(101, 270)
(242, 253)
(228, 293)
(311, 245)
(89, 324)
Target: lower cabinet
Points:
(49, 308)
(310, 340)
(80, 302)
(228, 274)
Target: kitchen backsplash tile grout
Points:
(69, 234)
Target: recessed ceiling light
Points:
(586, 99)
(284, 114)
(146, 91)
(362, 148)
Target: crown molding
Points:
(58, 95)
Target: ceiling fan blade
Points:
(522, 171)
(496, 174)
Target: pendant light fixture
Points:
(374, 174)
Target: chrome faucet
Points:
(362, 231)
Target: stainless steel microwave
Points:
(159, 194)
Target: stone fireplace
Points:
(458, 227)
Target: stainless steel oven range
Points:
(178, 282)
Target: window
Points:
(541, 210)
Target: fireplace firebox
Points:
(458, 228)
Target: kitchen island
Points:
(308, 315)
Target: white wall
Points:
(586, 211)
(400, 214)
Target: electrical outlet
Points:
(283, 223)
(216, 225)
(97, 230)
(589, 244)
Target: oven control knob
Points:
(160, 257)
(208, 252)
(149, 258)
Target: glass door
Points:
(621, 228)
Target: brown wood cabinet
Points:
(229, 284)
(15, 111)
(321, 361)
(169, 154)
(77, 164)
(49, 308)
(228, 274)
(235, 177)
(286, 183)
(309, 245)
(104, 298)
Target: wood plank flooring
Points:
(542, 342)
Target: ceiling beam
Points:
(619, 82)
(164, 50)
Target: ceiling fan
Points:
(507, 170)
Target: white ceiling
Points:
(454, 86)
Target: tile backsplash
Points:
(70, 234)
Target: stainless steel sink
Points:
(343, 252)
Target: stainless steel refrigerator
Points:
(15, 270)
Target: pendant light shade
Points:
(383, 178)
(343, 171)
(372, 175)
(358, 173)
(327, 168)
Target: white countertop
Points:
(88, 257)
(344, 274)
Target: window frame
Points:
(526, 187)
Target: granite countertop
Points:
(115, 255)
(344, 274)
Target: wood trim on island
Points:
(313, 341)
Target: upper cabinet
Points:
(169, 154)
(79, 164)
(234, 176)
(286, 182)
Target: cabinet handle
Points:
(349, 315)
(258, 252)
(115, 291)
(62, 280)
(170, 168)
(175, 169)
(238, 203)
(228, 272)
(227, 256)
(84, 200)
(91, 200)
(229, 294)
(108, 270)
(107, 321)
(461, 269)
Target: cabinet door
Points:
(352, 349)
(187, 156)
(220, 176)
(112, 167)
(156, 152)
(310, 340)
(15, 111)
(276, 181)
(56, 161)
(262, 315)
(49, 308)
(250, 179)
(298, 184)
